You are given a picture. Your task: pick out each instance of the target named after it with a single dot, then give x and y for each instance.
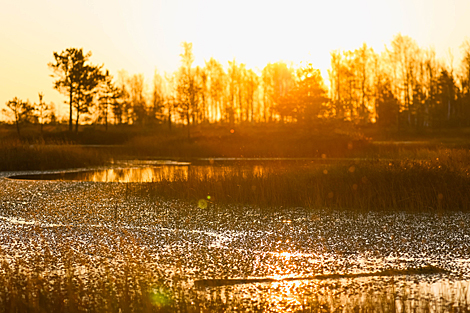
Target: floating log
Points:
(390, 272)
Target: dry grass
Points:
(437, 184)
(271, 140)
(73, 282)
(16, 156)
(60, 279)
(80, 265)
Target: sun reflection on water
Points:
(156, 173)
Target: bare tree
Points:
(22, 110)
(251, 86)
(108, 96)
(217, 82)
(187, 89)
(158, 98)
(42, 110)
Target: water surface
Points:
(144, 171)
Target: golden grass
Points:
(432, 185)
(16, 156)
(59, 279)
(64, 280)
(79, 265)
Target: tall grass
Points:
(15, 156)
(64, 280)
(269, 140)
(60, 279)
(364, 185)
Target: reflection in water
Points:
(153, 173)
(141, 175)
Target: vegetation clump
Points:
(17, 156)
(416, 185)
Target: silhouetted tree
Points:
(338, 75)
(278, 80)
(203, 92)
(66, 69)
(22, 111)
(117, 106)
(187, 89)
(42, 110)
(76, 79)
(89, 78)
(387, 105)
(464, 95)
(158, 98)
(233, 90)
(216, 83)
(310, 93)
(444, 108)
(403, 58)
(364, 59)
(170, 101)
(137, 100)
(125, 109)
(108, 95)
(425, 92)
(251, 86)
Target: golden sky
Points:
(141, 35)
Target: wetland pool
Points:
(289, 246)
(145, 171)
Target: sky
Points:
(140, 36)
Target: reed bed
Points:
(61, 279)
(75, 266)
(17, 156)
(93, 247)
(434, 185)
(69, 281)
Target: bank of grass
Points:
(437, 184)
(59, 148)
(17, 156)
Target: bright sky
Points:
(141, 35)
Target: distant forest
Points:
(405, 86)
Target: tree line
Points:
(405, 86)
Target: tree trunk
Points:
(18, 127)
(106, 115)
(189, 126)
(71, 106)
(78, 116)
(252, 120)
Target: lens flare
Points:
(202, 204)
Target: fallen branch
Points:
(391, 272)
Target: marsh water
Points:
(145, 171)
(305, 253)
